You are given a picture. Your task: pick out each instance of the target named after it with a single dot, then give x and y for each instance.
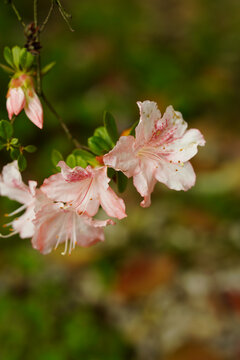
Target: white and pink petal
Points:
(34, 110)
(123, 156)
(149, 117)
(145, 181)
(176, 176)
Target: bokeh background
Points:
(165, 285)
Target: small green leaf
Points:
(48, 67)
(7, 53)
(16, 56)
(102, 133)
(14, 153)
(121, 181)
(111, 127)
(6, 129)
(86, 156)
(30, 148)
(71, 161)
(56, 156)
(22, 57)
(14, 141)
(7, 69)
(132, 130)
(22, 162)
(29, 60)
(81, 162)
(97, 145)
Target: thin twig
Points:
(64, 14)
(35, 12)
(39, 77)
(17, 14)
(62, 123)
(47, 17)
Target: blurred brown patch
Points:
(143, 274)
(226, 302)
(194, 352)
(197, 218)
(78, 257)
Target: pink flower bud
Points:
(15, 101)
(33, 109)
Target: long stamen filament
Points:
(21, 208)
(8, 235)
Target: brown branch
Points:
(62, 123)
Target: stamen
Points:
(59, 236)
(8, 235)
(21, 208)
(74, 237)
(66, 245)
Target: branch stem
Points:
(39, 75)
(47, 17)
(17, 14)
(62, 123)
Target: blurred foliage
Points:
(165, 284)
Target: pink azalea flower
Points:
(160, 152)
(85, 190)
(21, 95)
(12, 186)
(56, 223)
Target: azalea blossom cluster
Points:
(62, 210)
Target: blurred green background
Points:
(165, 285)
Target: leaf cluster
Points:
(18, 59)
(11, 144)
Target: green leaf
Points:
(7, 69)
(56, 156)
(48, 67)
(22, 162)
(7, 53)
(81, 162)
(30, 148)
(111, 127)
(132, 130)
(14, 141)
(121, 181)
(22, 57)
(29, 61)
(25, 59)
(71, 161)
(2, 144)
(16, 56)
(14, 153)
(97, 145)
(86, 156)
(102, 133)
(6, 129)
